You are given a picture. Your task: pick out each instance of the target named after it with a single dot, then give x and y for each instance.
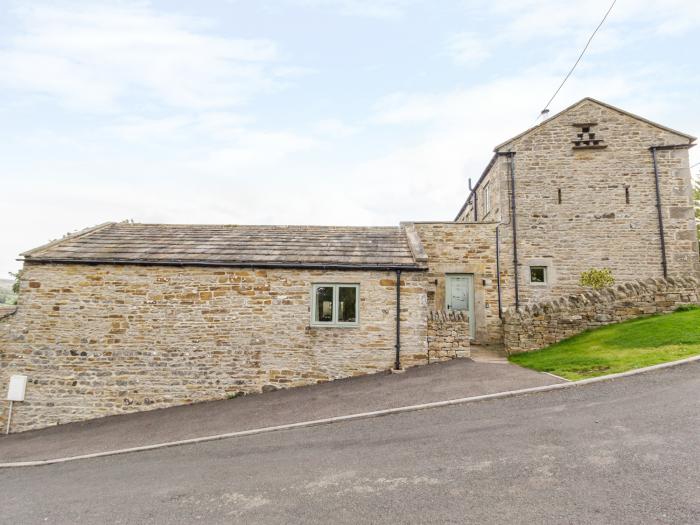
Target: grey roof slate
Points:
(232, 245)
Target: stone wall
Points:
(607, 215)
(465, 248)
(448, 335)
(594, 225)
(542, 324)
(111, 339)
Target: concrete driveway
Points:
(435, 382)
(620, 451)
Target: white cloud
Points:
(362, 8)
(95, 56)
(541, 19)
(332, 127)
(467, 49)
(253, 150)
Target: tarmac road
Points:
(622, 451)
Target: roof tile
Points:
(233, 245)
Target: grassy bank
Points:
(620, 347)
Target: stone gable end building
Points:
(126, 317)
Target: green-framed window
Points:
(335, 304)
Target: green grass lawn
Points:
(619, 347)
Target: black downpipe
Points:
(511, 165)
(397, 363)
(664, 262)
(476, 216)
(498, 271)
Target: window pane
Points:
(347, 304)
(537, 274)
(324, 304)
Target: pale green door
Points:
(459, 296)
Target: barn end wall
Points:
(112, 339)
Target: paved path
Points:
(436, 382)
(622, 451)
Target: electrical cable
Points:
(546, 108)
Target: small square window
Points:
(538, 274)
(335, 304)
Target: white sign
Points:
(18, 384)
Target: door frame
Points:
(472, 306)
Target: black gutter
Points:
(223, 264)
(397, 363)
(659, 211)
(498, 271)
(511, 169)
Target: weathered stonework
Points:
(448, 335)
(542, 324)
(459, 248)
(97, 340)
(163, 317)
(591, 207)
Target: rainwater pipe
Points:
(397, 363)
(513, 222)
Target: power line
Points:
(546, 108)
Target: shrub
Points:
(15, 285)
(687, 308)
(597, 278)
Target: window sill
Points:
(334, 325)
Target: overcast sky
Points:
(302, 111)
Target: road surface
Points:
(623, 451)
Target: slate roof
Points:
(233, 245)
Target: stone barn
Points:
(126, 317)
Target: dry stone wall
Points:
(542, 324)
(448, 335)
(111, 339)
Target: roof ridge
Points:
(601, 103)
